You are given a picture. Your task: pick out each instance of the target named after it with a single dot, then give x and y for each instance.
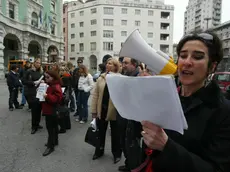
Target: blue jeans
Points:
(83, 105)
(23, 102)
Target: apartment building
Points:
(98, 27)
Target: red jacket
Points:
(53, 98)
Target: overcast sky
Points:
(180, 6)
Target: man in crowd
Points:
(13, 83)
(130, 130)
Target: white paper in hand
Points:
(41, 91)
(93, 124)
(152, 98)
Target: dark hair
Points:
(106, 57)
(121, 59)
(215, 50)
(54, 75)
(13, 67)
(102, 67)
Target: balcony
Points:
(164, 37)
(165, 26)
(164, 48)
(165, 15)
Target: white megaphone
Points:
(135, 47)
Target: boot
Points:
(98, 153)
(48, 151)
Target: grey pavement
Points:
(22, 152)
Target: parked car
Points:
(223, 80)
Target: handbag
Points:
(92, 137)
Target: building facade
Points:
(223, 31)
(97, 27)
(202, 15)
(30, 28)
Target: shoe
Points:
(98, 154)
(82, 122)
(22, 105)
(11, 109)
(124, 168)
(77, 120)
(33, 131)
(61, 131)
(19, 107)
(116, 159)
(40, 127)
(48, 151)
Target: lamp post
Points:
(207, 20)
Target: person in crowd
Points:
(31, 81)
(205, 145)
(103, 109)
(56, 67)
(53, 98)
(13, 84)
(130, 130)
(75, 81)
(27, 66)
(85, 85)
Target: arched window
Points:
(34, 20)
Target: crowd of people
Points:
(205, 145)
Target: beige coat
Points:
(97, 100)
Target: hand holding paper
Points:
(150, 98)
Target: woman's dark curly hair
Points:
(215, 50)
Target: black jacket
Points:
(13, 80)
(28, 80)
(205, 146)
(75, 79)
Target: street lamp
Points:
(207, 20)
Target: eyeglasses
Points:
(204, 36)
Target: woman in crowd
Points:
(31, 82)
(103, 109)
(53, 98)
(85, 85)
(205, 146)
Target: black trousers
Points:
(64, 121)
(35, 113)
(52, 128)
(122, 123)
(27, 99)
(115, 137)
(13, 98)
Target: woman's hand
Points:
(45, 95)
(42, 81)
(154, 136)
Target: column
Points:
(1, 54)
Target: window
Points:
(81, 24)
(108, 46)
(81, 13)
(164, 48)
(52, 28)
(63, 20)
(93, 46)
(150, 35)
(137, 12)
(34, 21)
(72, 47)
(11, 10)
(72, 36)
(124, 10)
(150, 12)
(63, 30)
(81, 34)
(72, 58)
(137, 23)
(93, 22)
(72, 25)
(72, 15)
(150, 24)
(123, 33)
(108, 10)
(108, 22)
(124, 22)
(81, 47)
(52, 6)
(93, 33)
(107, 33)
(93, 10)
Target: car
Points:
(222, 79)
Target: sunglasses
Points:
(203, 36)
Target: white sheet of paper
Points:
(63, 89)
(150, 98)
(41, 91)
